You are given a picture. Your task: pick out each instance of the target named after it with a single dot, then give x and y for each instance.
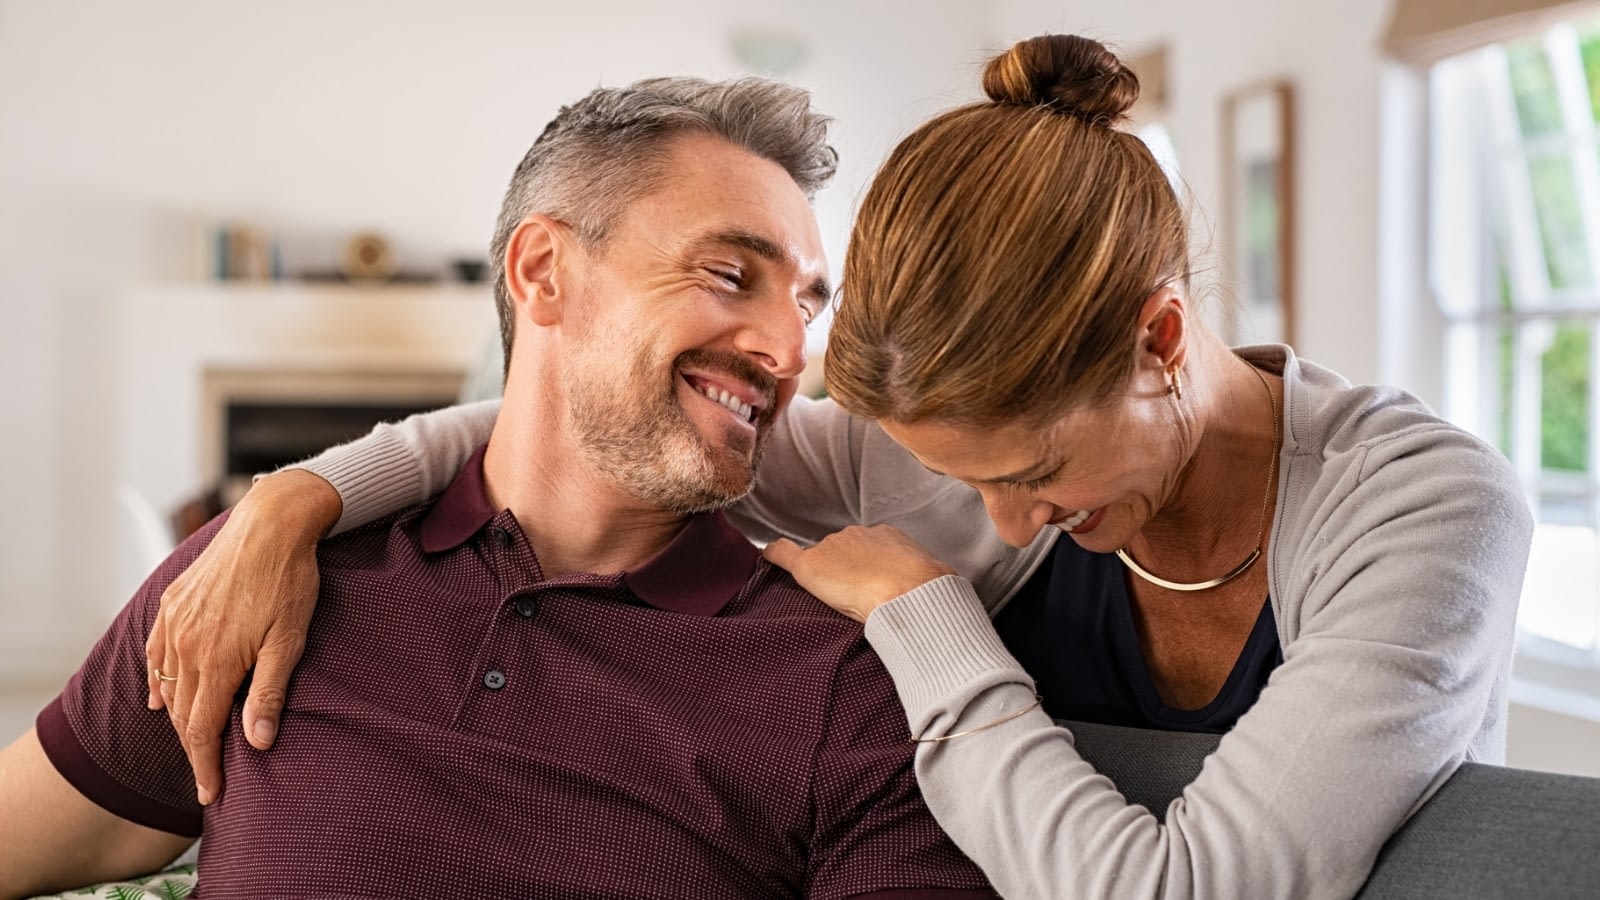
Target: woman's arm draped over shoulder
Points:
(1401, 598)
(825, 470)
(400, 464)
(822, 471)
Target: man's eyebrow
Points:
(769, 251)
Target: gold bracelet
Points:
(985, 727)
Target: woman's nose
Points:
(1016, 519)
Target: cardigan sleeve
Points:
(1400, 583)
(398, 464)
(823, 470)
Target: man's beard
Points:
(632, 427)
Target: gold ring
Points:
(161, 677)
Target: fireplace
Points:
(258, 420)
(218, 382)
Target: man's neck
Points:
(572, 516)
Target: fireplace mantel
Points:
(322, 340)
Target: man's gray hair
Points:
(600, 154)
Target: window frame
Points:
(1461, 206)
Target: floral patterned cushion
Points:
(175, 883)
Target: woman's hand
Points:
(246, 601)
(859, 569)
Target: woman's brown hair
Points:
(1000, 258)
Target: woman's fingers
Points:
(208, 665)
(155, 654)
(208, 712)
(269, 686)
(249, 594)
(858, 569)
(783, 553)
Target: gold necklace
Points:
(1261, 526)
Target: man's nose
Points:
(775, 335)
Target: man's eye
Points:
(731, 277)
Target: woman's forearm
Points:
(399, 464)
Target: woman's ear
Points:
(1163, 329)
(536, 256)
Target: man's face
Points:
(690, 327)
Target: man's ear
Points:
(1163, 329)
(537, 258)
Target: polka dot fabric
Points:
(697, 728)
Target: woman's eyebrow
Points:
(1042, 467)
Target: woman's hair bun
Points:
(1074, 75)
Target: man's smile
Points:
(741, 400)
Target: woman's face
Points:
(1098, 473)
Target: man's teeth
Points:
(1074, 520)
(745, 410)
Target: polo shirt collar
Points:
(461, 511)
(697, 573)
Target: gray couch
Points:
(1491, 831)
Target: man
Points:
(566, 675)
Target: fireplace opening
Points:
(261, 420)
(263, 436)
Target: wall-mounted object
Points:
(1258, 211)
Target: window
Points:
(1515, 264)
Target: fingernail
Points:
(205, 795)
(264, 730)
(150, 701)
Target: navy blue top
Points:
(1071, 626)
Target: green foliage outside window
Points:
(1555, 201)
(1565, 368)
(1550, 172)
(1564, 389)
(1538, 110)
(1564, 418)
(1589, 48)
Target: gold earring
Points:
(1175, 382)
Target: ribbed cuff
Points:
(940, 647)
(374, 477)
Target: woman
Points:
(1327, 574)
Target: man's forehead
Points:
(714, 193)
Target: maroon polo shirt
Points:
(463, 726)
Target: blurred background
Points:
(232, 232)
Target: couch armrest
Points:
(1490, 831)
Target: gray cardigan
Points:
(1396, 561)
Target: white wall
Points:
(1328, 51)
(128, 131)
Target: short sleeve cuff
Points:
(66, 753)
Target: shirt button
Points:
(494, 679)
(525, 607)
(500, 536)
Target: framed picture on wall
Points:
(1258, 211)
